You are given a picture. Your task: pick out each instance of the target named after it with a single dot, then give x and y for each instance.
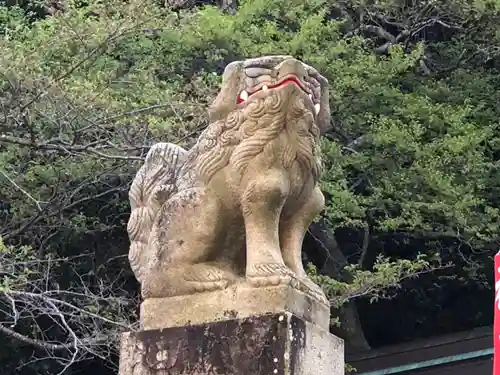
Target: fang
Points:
(317, 107)
(244, 95)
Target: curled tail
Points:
(153, 185)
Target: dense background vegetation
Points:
(404, 247)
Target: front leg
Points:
(261, 203)
(292, 231)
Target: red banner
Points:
(496, 324)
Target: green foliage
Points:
(414, 150)
(380, 282)
(17, 266)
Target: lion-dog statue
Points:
(235, 207)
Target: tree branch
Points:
(28, 340)
(59, 145)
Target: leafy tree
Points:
(86, 88)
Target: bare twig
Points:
(82, 332)
(36, 201)
(38, 343)
(62, 146)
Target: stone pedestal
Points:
(236, 302)
(275, 343)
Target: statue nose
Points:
(291, 66)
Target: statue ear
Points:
(323, 118)
(226, 99)
(324, 112)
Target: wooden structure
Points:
(463, 353)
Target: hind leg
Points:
(187, 235)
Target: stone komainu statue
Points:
(235, 208)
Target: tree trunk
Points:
(328, 254)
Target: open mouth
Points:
(289, 80)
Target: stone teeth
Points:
(265, 88)
(317, 107)
(311, 96)
(244, 95)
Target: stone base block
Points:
(236, 302)
(272, 344)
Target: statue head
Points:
(273, 81)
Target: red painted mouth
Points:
(291, 80)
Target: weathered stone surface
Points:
(216, 234)
(235, 302)
(280, 344)
(235, 208)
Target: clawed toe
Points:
(259, 281)
(310, 287)
(207, 278)
(210, 286)
(267, 274)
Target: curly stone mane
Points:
(262, 126)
